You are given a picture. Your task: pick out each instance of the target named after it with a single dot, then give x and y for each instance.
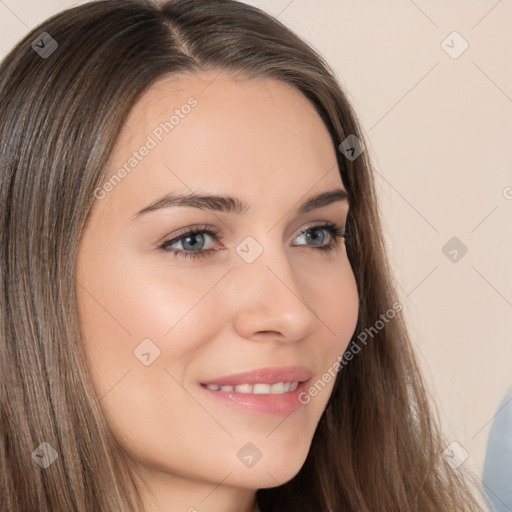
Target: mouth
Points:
(278, 388)
(274, 391)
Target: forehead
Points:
(223, 133)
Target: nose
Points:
(268, 301)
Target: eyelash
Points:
(334, 230)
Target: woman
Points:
(197, 310)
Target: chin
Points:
(276, 470)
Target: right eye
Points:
(194, 239)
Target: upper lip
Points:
(268, 375)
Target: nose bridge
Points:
(268, 296)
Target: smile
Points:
(278, 388)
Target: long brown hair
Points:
(378, 444)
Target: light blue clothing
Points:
(497, 474)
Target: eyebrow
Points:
(235, 205)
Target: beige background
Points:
(439, 131)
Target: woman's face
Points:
(161, 320)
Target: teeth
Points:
(276, 388)
(258, 389)
(243, 388)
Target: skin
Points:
(259, 140)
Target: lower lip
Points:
(278, 405)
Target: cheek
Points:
(143, 331)
(341, 288)
(333, 295)
(129, 301)
(338, 309)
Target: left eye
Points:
(311, 234)
(193, 241)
